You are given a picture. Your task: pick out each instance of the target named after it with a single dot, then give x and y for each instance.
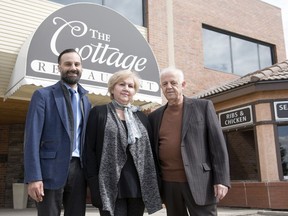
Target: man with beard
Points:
(54, 135)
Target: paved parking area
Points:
(91, 211)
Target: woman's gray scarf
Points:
(132, 126)
(114, 157)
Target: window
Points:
(283, 145)
(217, 53)
(234, 54)
(242, 155)
(131, 9)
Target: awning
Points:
(106, 45)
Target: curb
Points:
(272, 213)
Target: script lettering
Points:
(100, 53)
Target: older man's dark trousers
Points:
(177, 198)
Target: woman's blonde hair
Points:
(119, 77)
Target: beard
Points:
(71, 80)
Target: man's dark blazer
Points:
(48, 135)
(203, 148)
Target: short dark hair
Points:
(67, 51)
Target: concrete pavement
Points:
(91, 211)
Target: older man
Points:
(190, 149)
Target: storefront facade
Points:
(180, 33)
(253, 114)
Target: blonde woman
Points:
(119, 160)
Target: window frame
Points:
(283, 177)
(102, 2)
(232, 35)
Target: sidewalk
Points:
(91, 211)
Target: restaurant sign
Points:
(106, 41)
(281, 110)
(236, 117)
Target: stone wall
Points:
(11, 161)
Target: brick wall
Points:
(251, 18)
(268, 195)
(11, 162)
(4, 131)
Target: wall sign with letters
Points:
(281, 110)
(236, 117)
